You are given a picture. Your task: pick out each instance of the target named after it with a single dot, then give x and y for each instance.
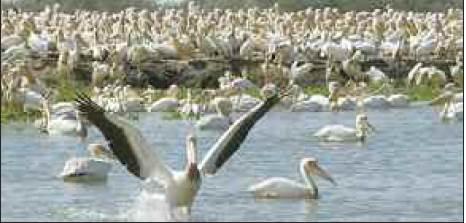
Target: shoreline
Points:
(14, 113)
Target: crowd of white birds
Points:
(287, 43)
(133, 36)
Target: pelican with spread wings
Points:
(180, 187)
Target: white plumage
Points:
(279, 187)
(340, 133)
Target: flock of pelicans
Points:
(128, 36)
(128, 146)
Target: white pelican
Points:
(63, 122)
(450, 108)
(278, 187)
(244, 102)
(315, 103)
(166, 104)
(342, 133)
(376, 75)
(334, 89)
(455, 111)
(180, 187)
(189, 109)
(221, 120)
(458, 97)
(91, 168)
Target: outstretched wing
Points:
(125, 141)
(232, 139)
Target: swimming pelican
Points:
(95, 167)
(446, 99)
(63, 123)
(166, 104)
(278, 187)
(342, 133)
(180, 187)
(315, 103)
(221, 120)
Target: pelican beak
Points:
(317, 170)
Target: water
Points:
(412, 169)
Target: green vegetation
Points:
(422, 93)
(14, 112)
(318, 89)
(65, 88)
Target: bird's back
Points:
(62, 126)
(330, 130)
(214, 121)
(277, 187)
(85, 167)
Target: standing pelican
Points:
(278, 187)
(334, 89)
(342, 133)
(180, 187)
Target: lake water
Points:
(411, 169)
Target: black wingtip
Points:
(85, 104)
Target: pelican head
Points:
(361, 118)
(173, 90)
(312, 168)
(362, 126)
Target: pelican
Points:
(278, 187)
(63, 122)
(180, 187)
(221, 120)
(95, 167)
(446, 99)
(342, 133)
(315, 103)
(334, 89)
(166, 104)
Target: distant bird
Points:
(219, 121)
(166, 104)
(340, 133)
(66, 122)
(446, 99)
